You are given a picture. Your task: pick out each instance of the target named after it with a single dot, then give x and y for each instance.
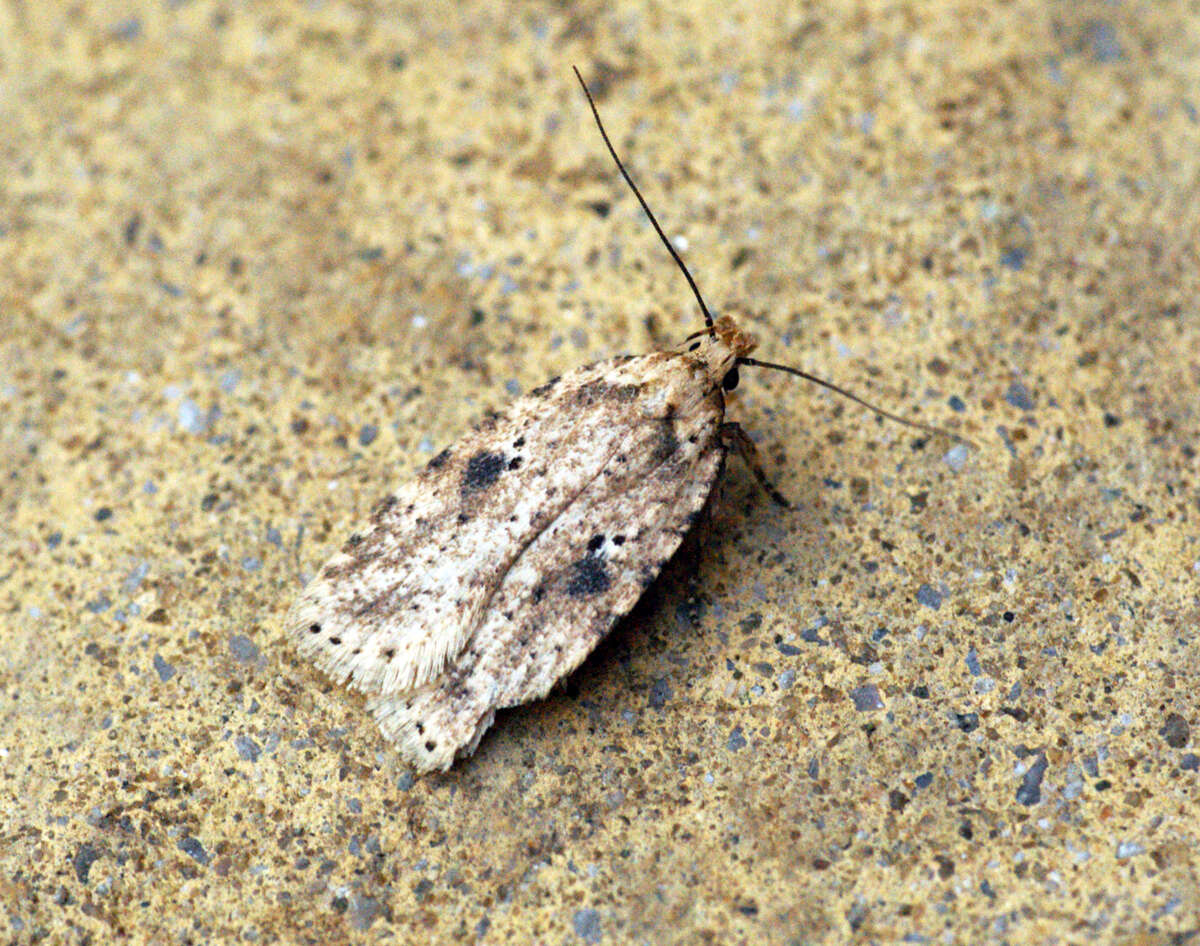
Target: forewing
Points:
(394, 608)
(556, 602)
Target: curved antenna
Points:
(708, 319)
(915, 424)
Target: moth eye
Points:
(731, 380)
(694, 345)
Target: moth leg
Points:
(737, 440)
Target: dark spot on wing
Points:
(595, 543)
(314, 628)
(593, 391)
(482, 471)
(382, 509)
(440, 460)
(514, 463)
(666, 443)
(543, 390)
(588, 578)
(519, 443)
(354, 540)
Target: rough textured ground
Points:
(259, 260)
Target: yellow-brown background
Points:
(259, 260)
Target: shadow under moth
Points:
(491, 575)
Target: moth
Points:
(491, 575)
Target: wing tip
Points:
(429, 741)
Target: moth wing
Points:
(582, 573)
(396, 605)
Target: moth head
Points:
(720, 349)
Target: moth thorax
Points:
(727, 344)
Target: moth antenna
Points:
(915, 424)
(708, 319)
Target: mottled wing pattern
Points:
(556, 602)
(393, 610)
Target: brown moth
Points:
(489, 577)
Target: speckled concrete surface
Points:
(257, 261)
